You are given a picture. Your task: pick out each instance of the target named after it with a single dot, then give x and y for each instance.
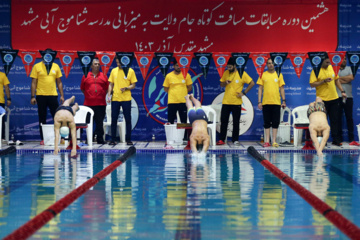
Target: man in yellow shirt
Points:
(4, 84)
(44, 86)
(232, 100)
(177, 88)
(325, 85)
(269, 85)
(120, 87)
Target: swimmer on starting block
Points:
(319, 128)
(199, 138)
(63, 120)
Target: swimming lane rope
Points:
(343, 224)
(41, 219)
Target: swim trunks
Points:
(61, 107)
(318, 107)
(196, 114)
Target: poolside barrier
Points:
(41, 219)
(342, 223)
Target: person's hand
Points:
(123, 89)
(33, 101)
(319, 153)
(328, 80)
(56, 151)
(344, 95)
(283, 105)
(62, 100)
(228, 82)
(239, 94)
(8, 103)
(73, 153)
(260, 106)
(108, 98)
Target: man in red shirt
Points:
(95, 87)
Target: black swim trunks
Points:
(61, 107)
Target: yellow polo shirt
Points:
(235, 87)
(117, 77)
(271, 84)
(46, 84)
(3, 82)
(177, 87)
(327, 90)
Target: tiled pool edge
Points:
(261, 150)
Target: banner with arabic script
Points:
(259, 60)
(336, 58)
(8, 58)
(105, 59)
(28, 58)
(184, 60)
(298, 59)
(67, 59)
(166, 26)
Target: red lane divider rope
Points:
(342, 223)
(41, 219)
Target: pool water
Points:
(178, 196)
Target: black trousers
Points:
(333, 112)
(271, 114)
(99, 115)
(173, 108)
(3, 122)
(347, 107)
(43, 103)
(224, 119)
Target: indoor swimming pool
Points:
(159, 195)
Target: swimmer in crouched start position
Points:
(63, 121)
(199, 138)
(319, 128)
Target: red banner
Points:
(67, 59)
(28, 58)
(144, 60)
(259, 60)
(298, 60)
(184, 60)
(336, 58)
(166, 26)
(221, 59)
(106, 59)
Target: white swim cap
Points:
(64, 132)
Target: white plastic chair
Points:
(211, 115)
(283, 134)
(80, 117)
(299, 115)
(120, 125)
